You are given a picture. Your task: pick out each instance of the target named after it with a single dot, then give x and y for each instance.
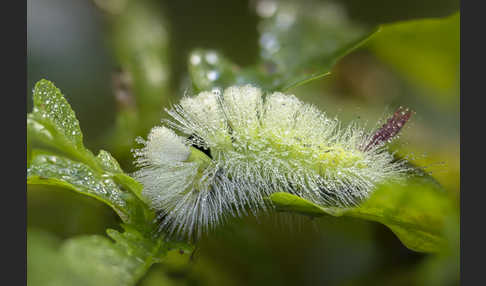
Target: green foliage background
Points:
(120, 62)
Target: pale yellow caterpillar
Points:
(237, 147)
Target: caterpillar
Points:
(223, 152)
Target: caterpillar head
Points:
(237, 147)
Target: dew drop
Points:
(216, 91)
(212, 58)
(270, 43)
(195, 59)
(212, 75)
(266, 8)
(285, 19)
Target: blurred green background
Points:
(117, 59)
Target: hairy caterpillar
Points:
(240, 147)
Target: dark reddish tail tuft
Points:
(393, 125)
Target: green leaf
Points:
(426, 52)
(443, 268)
(415, 211)
(123, 262)
(301, 41)
(292, 203)
(110, 165)
(108, 162)
(53, 111)
(149, 248)
(54, 123)
(94, 259)
(50, 169)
